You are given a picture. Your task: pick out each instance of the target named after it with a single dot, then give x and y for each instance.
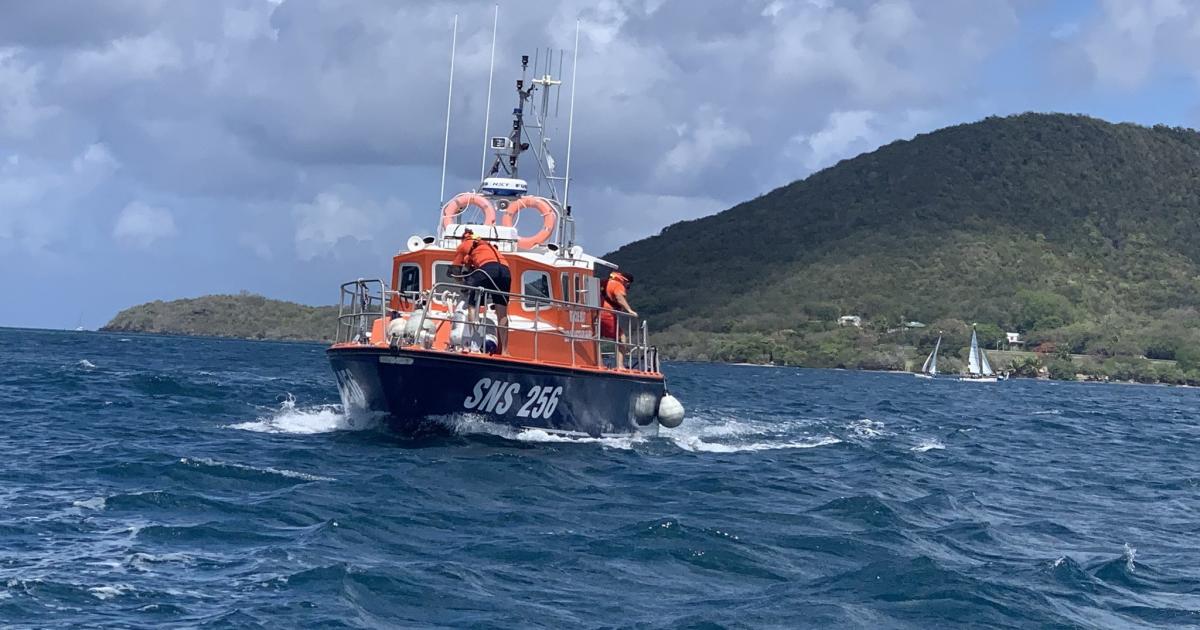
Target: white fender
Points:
(644, 407)
(670, 412)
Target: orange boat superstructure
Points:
(420, 345)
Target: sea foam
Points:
(302, 420)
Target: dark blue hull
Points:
(430, 391)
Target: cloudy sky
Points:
(161, 149)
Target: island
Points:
(1070, 244)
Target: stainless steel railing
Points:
(364, 301)
(361, 303)
(638, 353)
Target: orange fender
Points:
(456, 206)
(509, 218)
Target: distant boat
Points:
(929, 370)
(79, 323)
(978, 368)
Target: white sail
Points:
(973, 363)
(930, 366)
(984, 366)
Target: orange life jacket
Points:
(470, 254)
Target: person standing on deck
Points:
(613, 297)
(482, 266)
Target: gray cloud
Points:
(304, 131)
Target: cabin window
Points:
(535, 284)
(593, 291)
(410, 280)
(441, 273)
(566, 286)
(580, 292)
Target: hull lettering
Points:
(500, 397)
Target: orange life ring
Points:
(509, 218)
(455, 207)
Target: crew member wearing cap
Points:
(481, 265)
(613, 297)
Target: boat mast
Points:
(514, 146)
(508, 149)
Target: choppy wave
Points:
(928, 445)
(282, 472)
(788, 498)
(109, 591)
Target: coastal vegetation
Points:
(246, 316)
(1081, 235)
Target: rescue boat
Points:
(417, 348)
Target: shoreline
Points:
(1109, 381)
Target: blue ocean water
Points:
(169, 482)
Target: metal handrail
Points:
(637, 345)
(365, 306)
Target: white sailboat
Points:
(929, 370)
(978, 368)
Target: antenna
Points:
(571, 120)
(449, 96)
(558, 93)
(488, 115)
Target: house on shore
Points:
(850, 320)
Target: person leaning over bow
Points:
(613, 297)
(482, 266)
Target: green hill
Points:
(245, 316)
(1081, 234)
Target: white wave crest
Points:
(729, 427)
(109, 591)
(1129, 553)
(726, 434)
(928, 445)
(84, 364)
(283, 472)
(146, 561)
(94, 503)
(695, 435)
(474, 424)
(304, 420)
(696, 445)
(866, 429)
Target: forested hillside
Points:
(245, 316)
(1081, 234)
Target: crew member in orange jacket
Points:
(481, 265)
(613, 297)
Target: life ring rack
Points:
(549, 219)
(459, 204)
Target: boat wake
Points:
(731, 435)
(475, 424)
(289, 418)
(697, 435)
